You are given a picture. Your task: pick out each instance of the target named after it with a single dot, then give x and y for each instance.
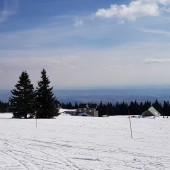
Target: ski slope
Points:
(84, 143)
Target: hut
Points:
(151, 112)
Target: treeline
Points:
(133, 108)
(4, 107)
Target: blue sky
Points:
(85, 43)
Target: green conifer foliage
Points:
(46, 103)
(23, 97)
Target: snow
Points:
(6, 115)
(66, 110)
(84, 143)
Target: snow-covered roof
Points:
(151, 112)
(67, 110)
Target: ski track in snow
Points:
(83, 143)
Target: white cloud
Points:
(155, 31)
(10, 8)
(156, 60)
(31, 45)
(164, 2)
(78, 22)
(134, 10)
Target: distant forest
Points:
(3, 107)
(133, 108)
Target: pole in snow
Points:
(36, 119)
(130, 125)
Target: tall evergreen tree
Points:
(46, 102)
(22, 99)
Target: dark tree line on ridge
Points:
(133, 108)
(26, 102)
(3, 107)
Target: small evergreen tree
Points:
(46, 103)
(22, 99)
(157, 106)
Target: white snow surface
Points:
(84, 143)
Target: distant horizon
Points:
(106, 88)
(96, 95)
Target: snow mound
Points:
(66, 110)
(6, 115)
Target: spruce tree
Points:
(46, 103)
(22, 99)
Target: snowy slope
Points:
(84, 143)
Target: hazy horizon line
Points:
(107, 87)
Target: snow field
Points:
(84, 143)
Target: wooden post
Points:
(130, 125)
(36, 119)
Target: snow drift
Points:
(84, 143)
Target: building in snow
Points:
(151, 112)
(87, 112)
(83, 110)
